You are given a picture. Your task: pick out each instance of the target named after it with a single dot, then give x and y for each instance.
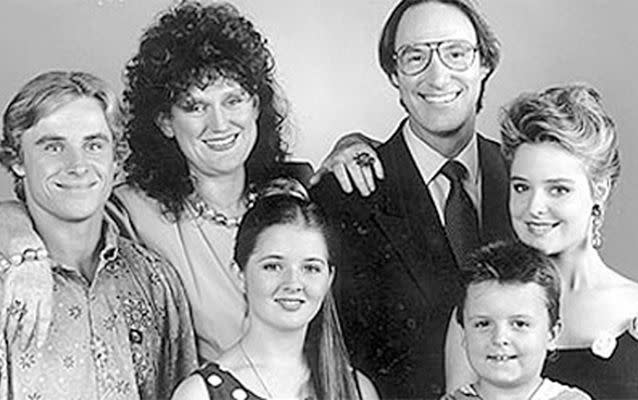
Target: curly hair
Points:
(571, 116)
(194, 45)
(43, 95)
(488, 44)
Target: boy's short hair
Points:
(511, 263)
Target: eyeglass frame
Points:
(434, 48)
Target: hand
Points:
(353, 159)
(28, 297)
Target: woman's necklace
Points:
(255, 371)
(204, 210)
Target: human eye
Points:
(192, 106)
(520, 323)
(519, 187)
(413, 55)
(480, 323)
(314, 268)
(96, 145)
(271, 266)
(53, 147)
(559, 190)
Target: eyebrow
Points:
(552, 180)
(58, 138)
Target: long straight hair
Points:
(331, 374)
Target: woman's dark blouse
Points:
(612, 378)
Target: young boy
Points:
(509, 312)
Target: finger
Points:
(357, 178)
(27, 328)
(378, 168)
(316, 177)
(44, 322)
(342, 177)
(368, 178)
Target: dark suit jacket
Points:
(397, 279)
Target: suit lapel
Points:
(494, 193)
(406, 213)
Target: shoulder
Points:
(191, 388)
(557, 391)
(368, 391)
(134, 200)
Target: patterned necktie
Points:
(461, 221)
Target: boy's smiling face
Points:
(507, 333)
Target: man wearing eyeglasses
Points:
(444, 194)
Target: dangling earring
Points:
(596, 226)
(552, 355)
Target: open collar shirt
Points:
(125, 335)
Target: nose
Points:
(217, 120)
(76, 161)
(500, 334)
(437, 73)
(537, 204)
(292, 280)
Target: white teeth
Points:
(221, 144)
(290, 304)
(440, 98)
(539, 229)
(501, 358)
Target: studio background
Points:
(326, 62)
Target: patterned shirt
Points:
(125, 335)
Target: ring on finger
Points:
(363, 159)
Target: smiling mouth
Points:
(501, 358)
(221, 143)
(290, 304)
(540, 228)
(441, 98)
(76, 186)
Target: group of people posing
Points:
(163, 246)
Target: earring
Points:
(596, 226)
(552, 355)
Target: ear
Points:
(163, 122)
(553, 334)
(239, 274)
(484, 71)
(18, 170)
(601, 190)
(332, 274)
(394, 80)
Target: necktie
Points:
(461, 221)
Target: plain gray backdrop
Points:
(326, 62)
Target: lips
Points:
(440, 98)
(76, 185)
(221, 143)
(540, 228)
(501, 357)
(290, 304)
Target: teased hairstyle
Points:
(194, 45)
(324, 346)
(570, 116)
(511, 263)
(488, 45)
(43, 95)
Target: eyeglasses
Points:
(457, 55)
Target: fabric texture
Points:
(202, 253)
(612, 378)
(549, 390)
(397, 277)
(125, 335)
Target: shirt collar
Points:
(430, 161)
(108, 244)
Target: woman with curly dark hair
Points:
(206, 125)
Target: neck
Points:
(448, 144)
(272, 347)
(525, 391)
(222, 192)
(72, 243)
(580, 267)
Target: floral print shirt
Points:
(125, 335)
